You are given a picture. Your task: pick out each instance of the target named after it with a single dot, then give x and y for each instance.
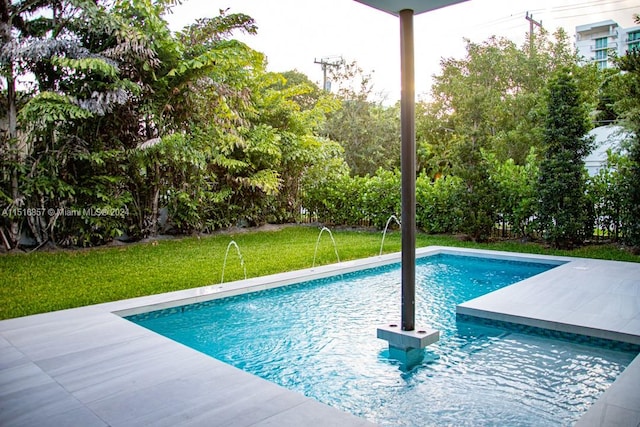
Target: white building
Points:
(594, 42)
(605, 138)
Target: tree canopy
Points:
(116, 127)
(125, 117)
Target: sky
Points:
(294, 33)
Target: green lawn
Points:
(46, 281)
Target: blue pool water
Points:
(319, 338)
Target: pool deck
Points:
(89, 366)
(588, 297)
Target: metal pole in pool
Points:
(405, 342)
(408, 170)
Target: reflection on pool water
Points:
(319, 338)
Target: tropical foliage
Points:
(155, 131)
(367, 130)
(115, 127)
(628, 108)
(564, 212)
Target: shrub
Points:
(438, 209)
(381, 196)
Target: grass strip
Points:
(47, 281)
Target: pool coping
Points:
(206, 293)
(90, 366)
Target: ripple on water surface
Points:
(318, 338)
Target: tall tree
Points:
(64, 46)
(111, 83)
(10, 157)
(496, 92)
(564, 212)
(628, 107)
(191, 152)
(489, 104)
(368, 130)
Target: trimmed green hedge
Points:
(373, 199)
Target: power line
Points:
(587, 4)
(593, 4)
(552, 14)
(606, 11)
(532, 22)
(325, 63)
(498, 21)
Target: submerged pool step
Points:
(418, 338)
(594, 341)
(407, 346)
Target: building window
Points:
(601, 52)
(634, 41)
(601, 43)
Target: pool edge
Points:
(155, 302)
(602, 408)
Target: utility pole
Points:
(326, 63)
(532, 22)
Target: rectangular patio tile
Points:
(143, 347)
(315, 414)
(50, 321)
(34, 402)
(596, 320)
(608, 415)
(632, 327)
(630, 287)
(10, 357)
(243, 405)
(4, 343)
(75, 417)
(117, 380)
(175, 395)
(70, 335)
(561, 299)
(21, 377)
(614, 306)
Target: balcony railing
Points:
(613, 34)
(610, 46)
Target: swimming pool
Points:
(318, 338)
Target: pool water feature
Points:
(240, 257)
(335, 248)
(318, 338)
(386, 227)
